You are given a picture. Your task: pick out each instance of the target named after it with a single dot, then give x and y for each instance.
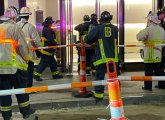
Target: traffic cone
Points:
(82, 92)
(115, 101)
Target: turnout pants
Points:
(45, 61)
(30, 71)
(9, 81)
(100, 74)
(152, 69)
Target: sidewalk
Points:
(131, 93)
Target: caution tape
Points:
(79, 84)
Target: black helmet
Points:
(86, 18)
(94, 17)
(48, 21)
(106, 16)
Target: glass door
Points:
(135, 13)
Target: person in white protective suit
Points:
(152, 34)
(33, 40)
(14, 55)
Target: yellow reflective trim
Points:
(101, 61)
(94, 71)
(6, 108)
(101, 48)
(107, 31)
(88, 68)
(99, 95)
(116, 50)
(55, 73)
(27, 58)
(46, 53)
(154, 41)
(24, 104)
(152, 52)
(13, 62)
(22, 66)
(152, 60)
(43, 39)
(37, 74)
(83, 37)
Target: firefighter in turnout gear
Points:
(83, 30)
(33, 40)
(105, 38)
(47, 57)
(153, 34)
(161, 16)
(91, 51)
(13, 58)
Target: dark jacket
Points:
(82, 29)
(49, 34)
(104, 36)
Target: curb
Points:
(136, 100)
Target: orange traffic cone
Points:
(82, 92)
(115, 101)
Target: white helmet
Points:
(25, 11)
(9, 13)
(154, 18)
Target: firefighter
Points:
(153, 34)
(161, 16)
(90, 51)
(47, 57)
(13, 58)
(93, 22)
(33, 40)
(105, 38)
(83, 30)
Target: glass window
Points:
(80, 8)
(110, 6)
(135, 13)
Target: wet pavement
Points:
(49, 104)
(132, 112)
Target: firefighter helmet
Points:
(48, 21)
(11, 12)
(25, 11)
(86, 18)
(93, 17)
(154, 18)
(106, 16)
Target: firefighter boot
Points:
(98, 96)
(57, 76)
(37, 78)
(29, 114)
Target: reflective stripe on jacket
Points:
(48, 39)
(10, 59)
(154, 34)
(105, 35)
